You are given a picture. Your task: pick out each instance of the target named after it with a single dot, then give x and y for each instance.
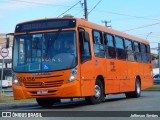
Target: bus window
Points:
(121, 53)
(129, 49)
(138, 57)
(148, 54)
(110, 47)
(44, 52)
(144, 53)
(85, 52)
(36, 45)
(98, 44)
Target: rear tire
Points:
(99, 94)
(46, 102)
(137, 92)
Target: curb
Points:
(8, 106)
(152, 90)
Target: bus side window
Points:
(137, 51)
(148, 54)
(98, 44)
(110, 47)
(85, 51)
(144, 53)
(121, 52)
(129, 49)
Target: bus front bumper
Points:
(67, 90)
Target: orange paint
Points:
(118, 75)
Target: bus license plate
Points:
(42, 92)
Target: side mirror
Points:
(8, 39)
(7, 42)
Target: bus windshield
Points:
(44, 52)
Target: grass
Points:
(154, 88)
(9, 99)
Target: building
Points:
(8, 60)
(3, 40)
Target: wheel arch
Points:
(101, 78)
(139, 78)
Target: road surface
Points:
(149, 101)
(115, 105)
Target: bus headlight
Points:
(15, 80)
(73, 74)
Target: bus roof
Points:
(85, 23)
(94, 26)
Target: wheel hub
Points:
(97, 91)
(138, 88)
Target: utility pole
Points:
(85, 10)
(159, 56)
(106, 23)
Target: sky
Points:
(140, 18)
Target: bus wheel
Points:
(46, 102)
(99, 94)
(137, 92)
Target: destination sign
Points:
(45, 25)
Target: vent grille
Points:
(49, 84)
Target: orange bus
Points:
(62, 58)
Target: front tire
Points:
(99, 94)
(137, 92)
(46, 102)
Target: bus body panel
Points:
(119, 75)
(124, 79)
(87, 79)
(55, 85)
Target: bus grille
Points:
(57, 83)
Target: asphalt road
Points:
(149, 101)
(8, 91)
(118, 104)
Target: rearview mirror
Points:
(8, 39)
(7, 42)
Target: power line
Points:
(69, 8)
(144, 26)
(142, 17)
(148, 35)
(30, 2)
(45, 4)
(19, 2)
(144, 35)
(38, 3)
(78, 13)
(95, 6)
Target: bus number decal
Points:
(26, 79)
